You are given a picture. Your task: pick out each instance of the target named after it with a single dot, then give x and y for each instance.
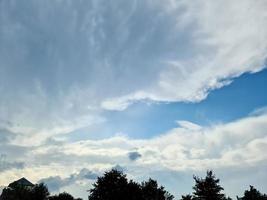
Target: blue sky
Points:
(147, 119)
(163, 88)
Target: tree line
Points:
(114, 185)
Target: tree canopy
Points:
(187, 197)
(253, 194)
(36, 192)
(207, 188)
(115, 185)
(63, 196)
(20, 192)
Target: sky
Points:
(162, 89)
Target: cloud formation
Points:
(70, 61)
(54, 183)
(65, 64)
(228, 39)
(134, 155)
(4, 165)
(224, 145)
(234, 146)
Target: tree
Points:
(63, 196)
(20, 192)
(208, 188)
(187, 197)
(151, 191)
(15, 193)
(39, 192)
(134, 189)
(253, 194)
(114, 185)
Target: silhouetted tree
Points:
(63, 196)
(20, 192)
(253, 194)
(208, 188)
(16, 192)
(187, 197)
(151, 191)
(135, 190)
(227, 198)
(115, 186)
(39, 192)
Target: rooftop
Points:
(23, 181)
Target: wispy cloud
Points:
(227, 39)
(69, 61)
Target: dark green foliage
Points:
(187, 197)
(36, 192)
(208, 188)
(253, 194)
(20, 192)
(39, 192)
(15, 193)
(63, 196)
(151, 191)
(134, 188)
(115, 186)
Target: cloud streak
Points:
(228, 39)
(99, 56)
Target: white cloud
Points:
(188, 125)
(232, 144)
(97, 55)
(228, 39)
(238, 145)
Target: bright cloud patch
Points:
(227, 40)
(232, 144)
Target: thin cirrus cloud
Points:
(70, 60)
